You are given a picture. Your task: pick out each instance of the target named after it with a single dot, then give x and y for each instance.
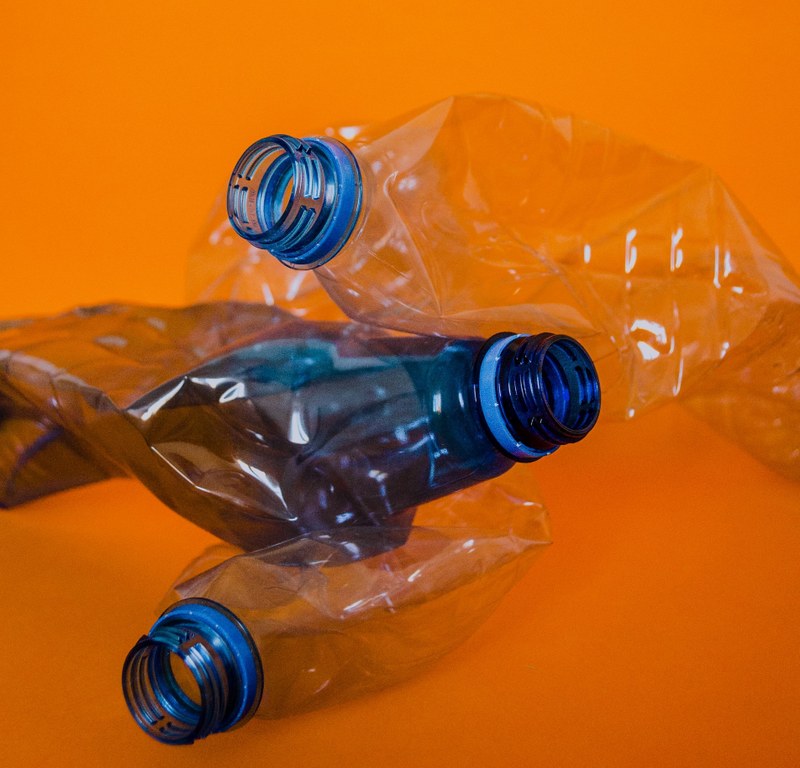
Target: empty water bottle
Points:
(284, 630)
(481, 213)
(259, 426)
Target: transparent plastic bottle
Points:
(294, 426)
(286, 630)
(483, 213)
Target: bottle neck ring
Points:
(299, 199)
(536, 393)
(197, 672)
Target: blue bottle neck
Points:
(299, 199)
(196, 673)
(536, 393)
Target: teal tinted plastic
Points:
(260, 427)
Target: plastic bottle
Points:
(482, 213)
(284, 630)
(280, 426)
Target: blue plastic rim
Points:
(491, 406)
(197, 672)
(299, 199)
(537, 392)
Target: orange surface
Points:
(660, 629)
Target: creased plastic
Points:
(254, 424)
(212, 407)
(484, 212)
(66, 382)
(327, 632)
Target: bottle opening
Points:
(570, 386)
(537, 392)
(299, 199)
(196, 673)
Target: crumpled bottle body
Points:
(483, 212)
(254, 424)
(327, 632)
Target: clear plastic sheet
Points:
(482, 212)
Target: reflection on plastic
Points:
(483, 213)
(259, 426)
(326, 632)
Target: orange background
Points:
(661, 628)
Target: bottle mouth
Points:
(537, 392)
(196, 673)
(299, 199)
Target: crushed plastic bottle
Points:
(288, 629)
(259, 426)
(482, 213)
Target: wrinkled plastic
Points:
(260, 426)
(483, 212)
(64, 382)
(254, 424)
(327, 632)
